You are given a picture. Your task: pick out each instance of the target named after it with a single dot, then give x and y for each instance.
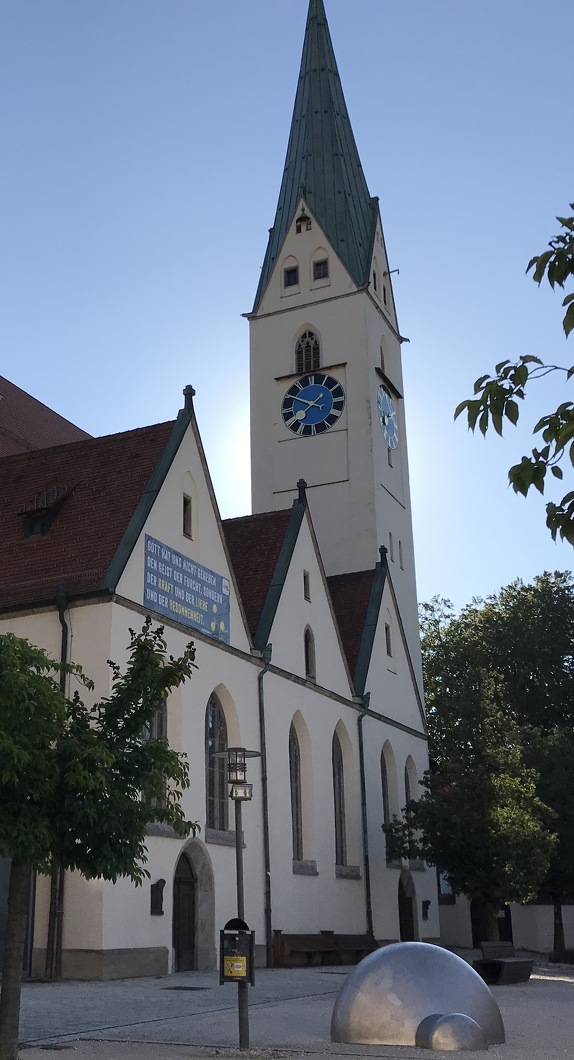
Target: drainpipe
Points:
(61, 601)
(368, 903)
(266, 656)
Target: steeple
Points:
(322, 165)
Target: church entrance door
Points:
(184, 904)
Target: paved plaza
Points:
(191, 1015)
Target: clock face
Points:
(388, 417)
(313, 404)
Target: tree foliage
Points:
(479, 819)
(497, 811)
(496, 398)
(79, 783)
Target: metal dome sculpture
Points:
(413, 993)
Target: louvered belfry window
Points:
(308, 353)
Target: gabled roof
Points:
(357, 601)
(350, 595)
(92, 490)
(260, 548)
(322, 164)
(255, 543)
(26, 423)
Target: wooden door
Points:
(184, 897)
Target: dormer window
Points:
(39, 515)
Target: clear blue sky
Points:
(143, 145)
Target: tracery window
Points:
(215, 768)
(307, 353)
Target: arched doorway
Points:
(407, 914)
(194, 910)
(184, 915)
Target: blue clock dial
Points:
(313, 404)
(388, 417)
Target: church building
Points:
(303, 614)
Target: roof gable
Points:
(99, 482)
(352, 598)
(27, 424)
(255, 544)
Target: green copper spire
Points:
(322, 163)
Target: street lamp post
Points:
(240, 791)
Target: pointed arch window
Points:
(307, 353)
(385, 792)
(159, 727)
(309, 644)
(339, 802)
(295, 782)
(215, 768)
(408, 792)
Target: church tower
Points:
(326, 376)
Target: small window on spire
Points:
(321, 269)
(375, 279)
(385, 293)
(291, 276)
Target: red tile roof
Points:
(350, 594)
(254, 543)
(106, 478)
(26, 423)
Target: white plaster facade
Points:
(358, 501)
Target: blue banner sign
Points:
(178, 588)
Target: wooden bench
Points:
(499, 964)
(311, 949)
(352, 948)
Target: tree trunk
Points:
(490, 922)
(484, 921)
(559, 946)
(18, 905)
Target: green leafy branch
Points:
(558, 264)
(496, 398)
